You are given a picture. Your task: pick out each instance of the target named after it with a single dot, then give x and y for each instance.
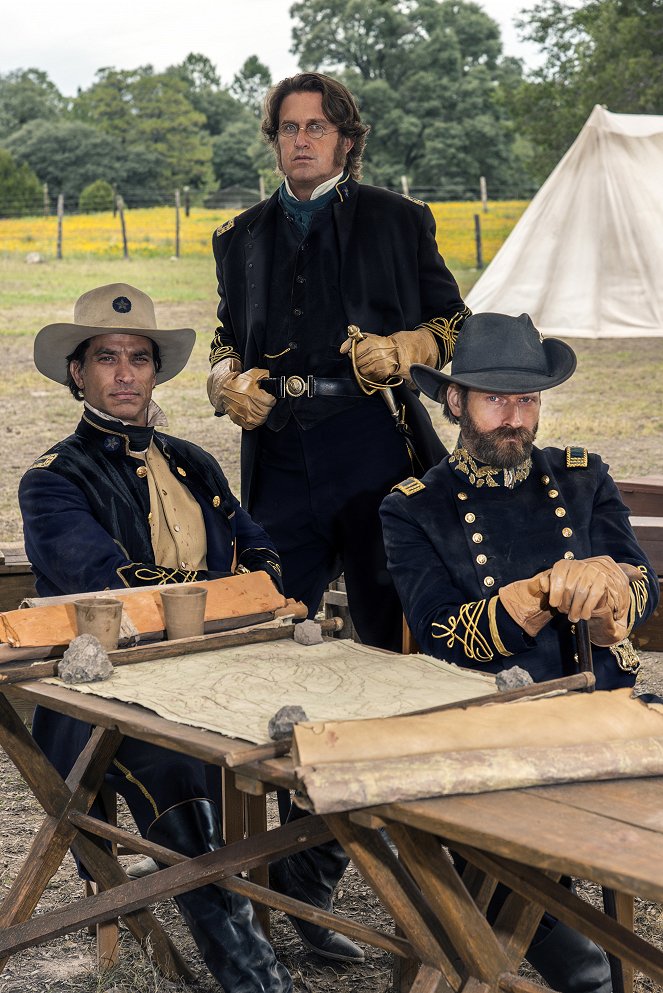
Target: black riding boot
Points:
(223, 924)
(570, 962)
(311, 876)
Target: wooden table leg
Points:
(620, 906)
(394, 887)
(56, 834)
(256, 823)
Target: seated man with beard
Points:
(503, 546)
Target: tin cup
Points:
(100, 616)
(184, 611)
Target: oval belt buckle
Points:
(295, 386)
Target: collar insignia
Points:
(488, 475)
(576, 457)
(112, 443)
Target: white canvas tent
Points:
(586, 258)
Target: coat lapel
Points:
(258, 250)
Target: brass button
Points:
(149, 517)
(489, 581)
(567, 532)
(141, 471)
(545, 480)
(477, 538)
(560, 512)
(553, 493)
(177, 527)
(183, 565)
(482, 559)
(181, 471)
(462, 496)
(470, 518)
(216, 502)
(569, 555)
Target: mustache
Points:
(523, 435)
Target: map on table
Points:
(236, 691)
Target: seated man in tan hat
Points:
(119, 504)
(496, 549)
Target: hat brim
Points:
(561, 360)
(55, 341)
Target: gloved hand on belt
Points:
(380, 358)
(238, 393)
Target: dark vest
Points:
(310, 321)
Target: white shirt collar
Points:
(320, 190)
(155, 415)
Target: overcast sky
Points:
(71, 39)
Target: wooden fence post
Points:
(58, 253)
(47, 203)
(477, 239)
(484, 193)
(177, 224)
(120, 209)
(406, 186)
(187, 201)
(261, 187)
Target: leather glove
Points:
(379, 358)
(583, 588)
(605, 626)
(526, 602)
(238, 393)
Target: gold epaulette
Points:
(409, 486)
(406, 196)
(226, 226)
(576, 457)
(44, 461)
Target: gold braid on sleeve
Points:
(465, 629)
(639, 598)
(220, 351)
(446, 331)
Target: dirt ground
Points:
(613, 405)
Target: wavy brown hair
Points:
(338, 105)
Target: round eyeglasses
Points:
(313, 130)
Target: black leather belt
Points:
(309, 386)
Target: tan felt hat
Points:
(117, 308)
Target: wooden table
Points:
(609, 832)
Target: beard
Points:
(504, 448)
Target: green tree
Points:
(428, 76)
(231, 155)
(206, 94)
(20, 190)
(606, 51)
(96, 197)
(142, 109)
(28, 95)
(251, 83)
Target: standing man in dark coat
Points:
(501, 548)
(320, 448)
(118, 504)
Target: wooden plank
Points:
(621, 908)
(634, 802)
(256, 823)
(429, 980)
(642, 495)
(525, 826)
(649, 533)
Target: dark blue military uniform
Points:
(314, 475)
(85, 507)
(458, 535)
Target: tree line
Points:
(445, 104)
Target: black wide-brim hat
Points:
(500, 354)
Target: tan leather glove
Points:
(608, 626)
(379, 358)
(582, 588)
(526, 602)
(238, 393)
